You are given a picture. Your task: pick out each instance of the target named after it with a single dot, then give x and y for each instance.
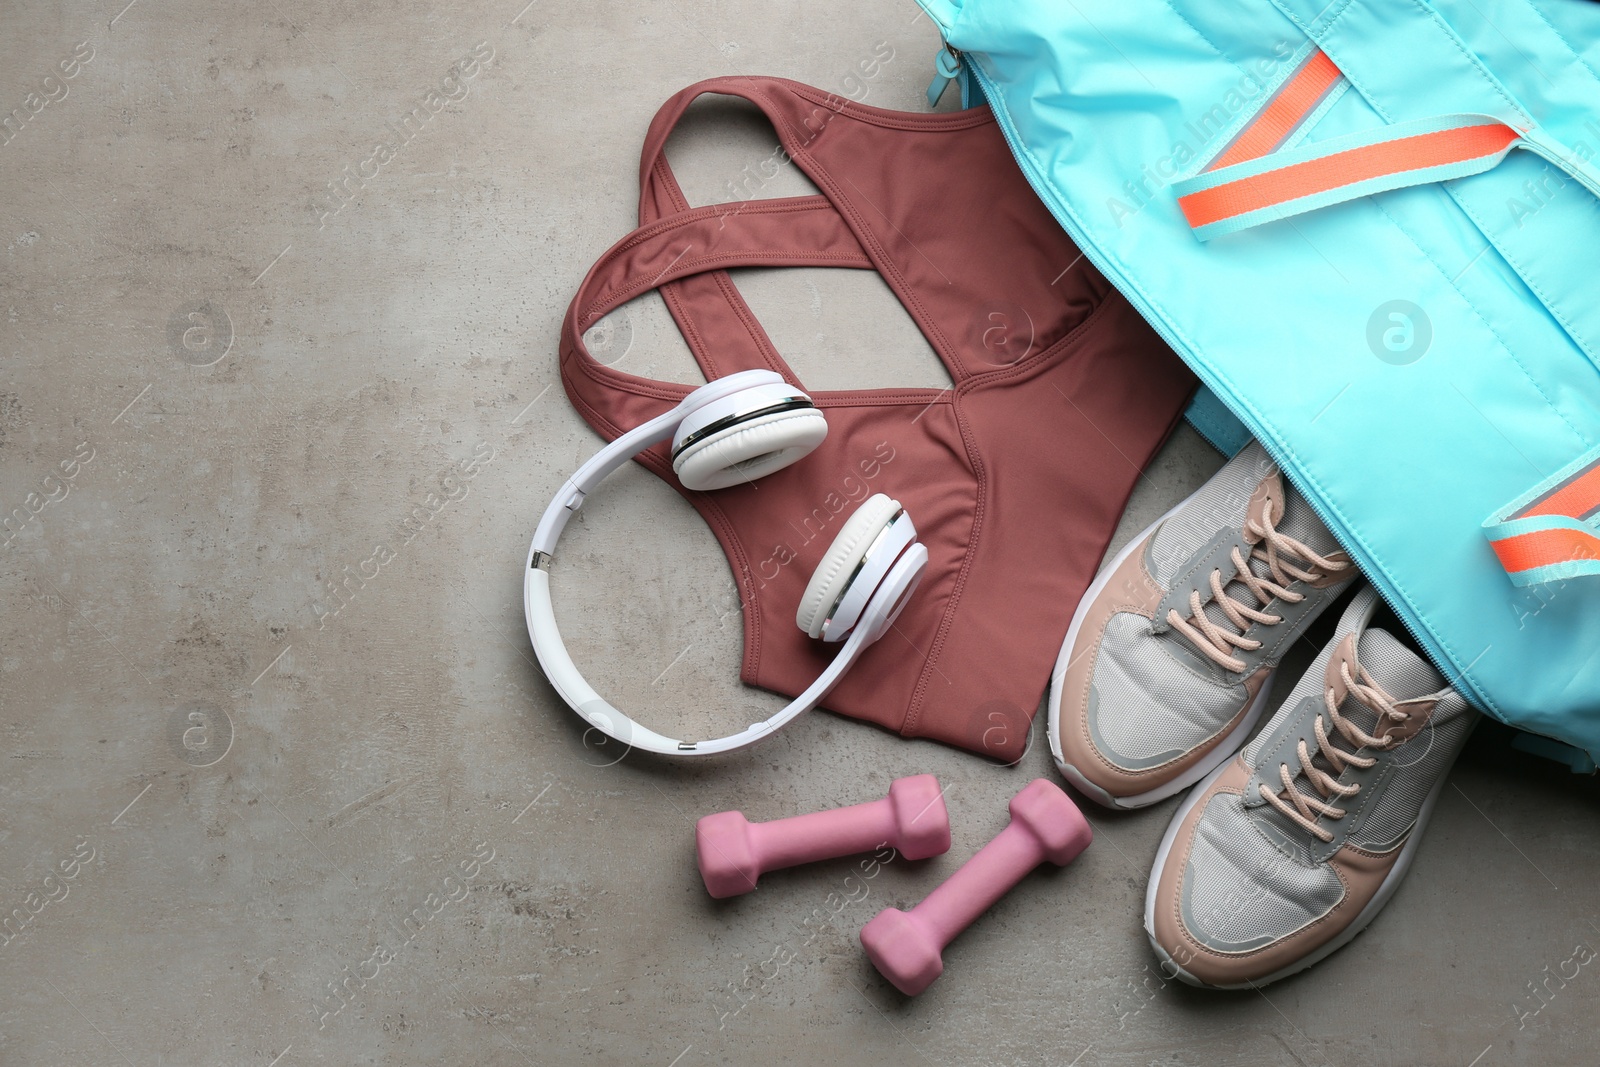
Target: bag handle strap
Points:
(1283, 184)
(1552, 532)
(1255, 180)
(1309, 88)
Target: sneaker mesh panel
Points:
(1419, 763)
(1148, 704)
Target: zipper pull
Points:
(946, 66)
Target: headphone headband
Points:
(746, 424)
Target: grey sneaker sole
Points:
(1218, 756)
(1386, 889)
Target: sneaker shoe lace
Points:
(1302, 807)
(1216, 641)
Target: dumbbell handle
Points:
(733, 852)
(823, 834)
(979, 883)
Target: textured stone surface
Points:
(308, 829)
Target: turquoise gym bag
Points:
(1371, 227)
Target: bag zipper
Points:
(946, 68)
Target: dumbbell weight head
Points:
(1053, 820)
(727, 856)
(921, 821)
(903, 950)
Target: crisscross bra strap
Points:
(686, 252)
(708, 305)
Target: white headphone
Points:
(737, 429)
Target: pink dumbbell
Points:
(906, 946)
(734, 851)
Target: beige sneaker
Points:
(1167, 665)
(1293, 847)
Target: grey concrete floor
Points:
(253, 793)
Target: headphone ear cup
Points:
(840, 563)
(890, 598)
(751, 449)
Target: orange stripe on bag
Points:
(1207, 206)
(1544, 548)
(1576, 499)
(1299, 95)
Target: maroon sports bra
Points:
(1015, 476)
